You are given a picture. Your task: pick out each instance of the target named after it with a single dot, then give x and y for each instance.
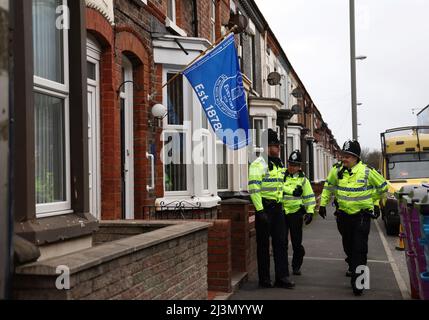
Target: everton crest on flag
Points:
(218, 83)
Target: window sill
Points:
(53, 214)
(174, 27)
(56, 228)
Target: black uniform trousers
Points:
(294, 223)
(271, 223)
(354, 230)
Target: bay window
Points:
(222, 166)
(51, 109)
(176, 141)
(188, 143)
(258, 127)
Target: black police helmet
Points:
(273, 139)
(352, 147)
(295, 158)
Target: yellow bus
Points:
(405, 154)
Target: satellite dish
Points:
(296, 109)
(297, 93)
(274, 78)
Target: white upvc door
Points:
(127, 139)
(94, 171)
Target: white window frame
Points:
(198, 171)
(172, 4)
(128, 96)
(232, 6)
(254, 129)
(229, 161)
(207, 151)
(252, 59)
(213, 19)
(187, 131)
(292, 148)
(94, 57)
(61, 91)
(268, 87)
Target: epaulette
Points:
(370, 168)
(338, 165)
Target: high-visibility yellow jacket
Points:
(265, 183)
(293, 204)
(359, 190)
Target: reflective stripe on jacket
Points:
(360, 190)
(264, 183)
(293, 204)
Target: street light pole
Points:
(353, 69)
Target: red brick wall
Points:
(185, 17)
(222, 16)
(219, 256)
(159, 170)
(100, 28)
(129, 38)
(252, 260)
(238, 213)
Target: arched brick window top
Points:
(131, 45)
(99, 27)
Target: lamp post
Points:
(353, 59)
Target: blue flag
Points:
(218, 83)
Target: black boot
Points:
(357, 292)
(297, 272)
(285, 283)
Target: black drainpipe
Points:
(195, 13)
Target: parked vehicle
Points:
(405, 153)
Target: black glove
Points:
(376, 212)
(262, 216)
(322, 212)
(308, 217)
(298, 191)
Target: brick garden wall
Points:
(219, 256)
(238, 212)
(169, 263)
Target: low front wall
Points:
(168, 263)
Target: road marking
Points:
(340, 259)
(401, 283)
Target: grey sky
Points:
(394, 34)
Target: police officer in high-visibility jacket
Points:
(266, 192)
(298, 203)
(356, 188)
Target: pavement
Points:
(323, 272)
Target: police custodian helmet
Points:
(295, 158)
(352, 147)
(273, 139)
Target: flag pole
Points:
(232, 30)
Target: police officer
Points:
(356, 188)
(298, 204)
(266, 192)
